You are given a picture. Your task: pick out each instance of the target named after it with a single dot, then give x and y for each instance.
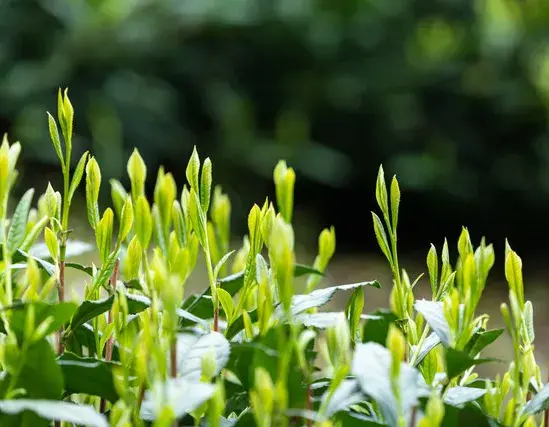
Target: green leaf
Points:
(354, 309)
(238, 324)
(86, 375)
(85, 269)
(348, 393)
(192, 348)
(93, 184)
(78, 172)
(529, 321)
(430, 342)
(468, 415)
(143, 221)
(458, 362)
(513, 274)
(126, 219)
(103, 234)
(56, 411)
(319, 297)
(433, 313)
(18, 223)
(321, 320)
(377, 325)
(192, 170)
(382, 238)
(226, 302)
(54, 134)
(381, 192)
(90, 308)
(180, 395)
(355, 419)
(221, 263)
(395, 201)
(206, 184)
(459, 396)
(432, 266)
(40, 376)
(538, 403)
(481, 339)
(84, 336)
(371, 367)
(60, 313)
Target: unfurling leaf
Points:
(284, 178)
(192, 171)
(103, 234)
(382, 238)
(126, 219)
(118, 195)
(77, 177)
(93, 183)
(432, 266)
(381, 193)
(206, 184)
(51, 242)
(137, 171)
(143, 221)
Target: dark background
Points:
(450, 95)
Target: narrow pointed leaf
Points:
(78, 172)
(18, 223)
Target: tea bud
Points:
(284, 179)
(137, 171)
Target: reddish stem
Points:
(110, 342)
(413, 417)
(216, 319)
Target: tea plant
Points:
(250, 350)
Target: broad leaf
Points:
(468, 415)
(181, 395)
(60, 314)
(318, 320)
(458, 362)
(354, 419)
(86, 375)
(459, 396)
(538, 403)
(84, 336)
(371, 367)
(377, 326)
(433, 313)
(56, 411)
(481, 339)
(319, 297)
(238, 324)
(430, 342)
(348, 393)
(191, 349)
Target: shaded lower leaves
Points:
(191, 349)
(87, 375)
(433, 313)
(458, 362)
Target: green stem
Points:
(15, 377)
(8, 286)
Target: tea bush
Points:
(249, 350)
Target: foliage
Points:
(249, 350)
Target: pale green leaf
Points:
(18, 223)
(382, 238)
(77, 177)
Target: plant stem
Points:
(110, 341)
(61, 293)
(213, 285)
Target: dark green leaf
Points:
(377, 326)
(61, 313)
(84, 336)
(238, 324)
(85, 269)
(433, 313)
(301, 270)
(87, 375)
(481, 339)
(354, 419)
(56, 411)
(469, 415)
(458, 362)
(18, 222)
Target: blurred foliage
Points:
(451, 95)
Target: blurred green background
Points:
(450, 95)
